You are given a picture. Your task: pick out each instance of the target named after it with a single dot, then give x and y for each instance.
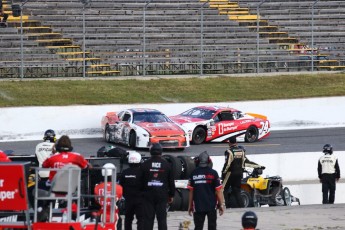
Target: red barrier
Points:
(13, 193)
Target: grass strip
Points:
(174, 90)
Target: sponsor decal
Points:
(159, 126)
(12, 188)
(245, 122)
(13, 218)
(226, 127)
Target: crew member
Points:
(249, 220)
(107, 171)
(159, 188)
(132, 183)
(205, 194)
(329, 173)
(63, 156)
(44, 150)
(232, 172)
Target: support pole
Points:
(202, 39)
(84, 67)
(258, 36)
(312, 35)
(144, 37)
(21, 45)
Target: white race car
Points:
(139, 128)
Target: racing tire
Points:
(251, 135)
(185, 199)
(107, 134)
(199, 135)
(132, 140)
(176, 165)
(287, 196)
(188, 166)
(177, 202)
(247, 199)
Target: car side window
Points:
(226, 116)
(238, 115)
(217, 118)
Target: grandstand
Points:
(171, 37)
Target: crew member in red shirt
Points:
(4, 157)
(100, 188)
(63, 157)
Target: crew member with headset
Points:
(232, 172)
(159, 188)
(205, 193)
(44, 150)
(329, 173)
(63, 157)
(104, 189)
(132, 183)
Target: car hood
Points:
(182, 119)
(164, 128)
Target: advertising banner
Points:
(12, 187)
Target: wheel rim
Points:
(199, 136)
(252, 134)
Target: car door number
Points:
(220, 128)
(264, 126)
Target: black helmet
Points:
(49, 135)
(202, 160)
(249, 220)
(232, 140)
(328, 149)
(156, 149)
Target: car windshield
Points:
(150, 117)
(199, 113)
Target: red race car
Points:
(217, 124)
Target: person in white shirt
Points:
(44, 150)
(329, 173)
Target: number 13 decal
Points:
(220, 128)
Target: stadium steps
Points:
(58, 46)
(243, 16)
(74, 54)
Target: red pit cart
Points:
(15, 210)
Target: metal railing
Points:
(150, 39)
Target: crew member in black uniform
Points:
(249, 220)
(232, 172)
(205, 194)
(132, 184)
(329, 173)
(159, 188)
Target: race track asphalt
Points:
(294, 217)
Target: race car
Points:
(140, 127)
(217, 124)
